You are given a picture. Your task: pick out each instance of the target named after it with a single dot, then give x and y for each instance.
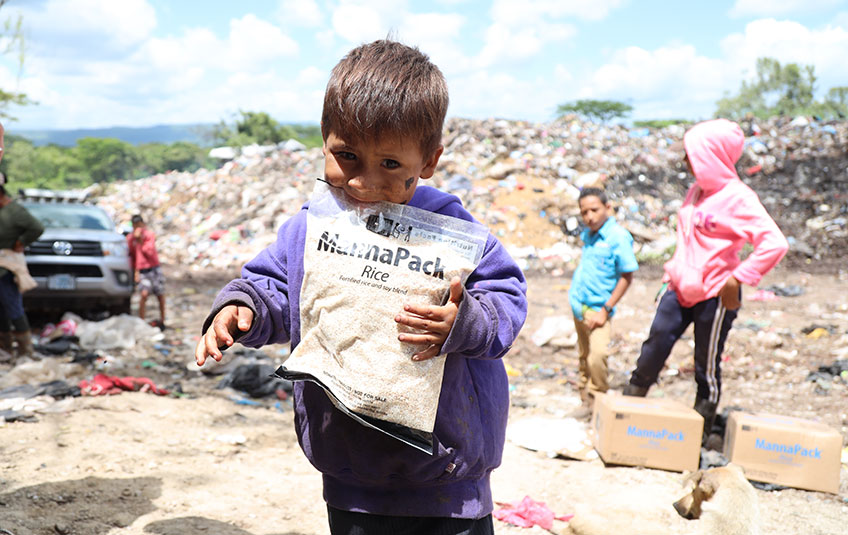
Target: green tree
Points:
(308, 134)
(12, 43)
(600, 110)
(780, 90)
(107, 159)
(659, 123)
(50, 166)
(251, 127)
(836, 101)
(178, 156)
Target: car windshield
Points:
(78, 216)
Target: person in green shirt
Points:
(18, 228)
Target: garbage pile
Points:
(522, 179)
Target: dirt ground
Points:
(137, 463)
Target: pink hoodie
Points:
(719, 215)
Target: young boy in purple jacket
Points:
(384, 110)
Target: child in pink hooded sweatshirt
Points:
(719, 216)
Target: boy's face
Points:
(594, 212)
(385, 170)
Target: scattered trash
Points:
(257, 380)
(566, 437)
(711, 459)
(219, 218)
(236, 439)
(512, 372)
(557, 331)
(101, 385)
(768, 487)
(839, 368)
(817, 333)
(792, 290)
(762, 295)
(116, 332)
(528, 513)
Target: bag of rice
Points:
(362, 263)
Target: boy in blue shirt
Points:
(603, 276)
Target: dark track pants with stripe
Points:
(712, 323)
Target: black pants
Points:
(12, 314)
(712, 323)
(347, 523)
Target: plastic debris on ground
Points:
(528, 513)
(557, 331)
(565, 437)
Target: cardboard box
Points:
(652, 432)
(783, 450)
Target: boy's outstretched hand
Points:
(434, 323)
(229, 321)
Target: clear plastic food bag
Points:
(362, 263)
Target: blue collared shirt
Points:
(606, 255)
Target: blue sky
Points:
(101, 63)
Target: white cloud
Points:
(508, 44)
(300, 13)
(673, 78)
(99, 28)
(641, 73)
(311, 76)
(520, 30)
(195, 47)
(790, 42)
(770, 8)
(532, 11)
(254, 42)
(562, 74)
(487, 93)
(677, 81)
(438, 35)
(171, 79)
(358, 24)
(432, 28)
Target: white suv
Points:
(80, 262)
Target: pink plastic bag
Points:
(528, 513)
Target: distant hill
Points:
(149, 134)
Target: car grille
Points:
(79, 248)
(45, 270)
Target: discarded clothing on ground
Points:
(257, 381)
(55, 389)
(102, 384)
(528, 513)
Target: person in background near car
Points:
(18, 228)
(145, 265)
(719, 215)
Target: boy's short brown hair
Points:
(386, 88)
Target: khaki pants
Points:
(593, 349)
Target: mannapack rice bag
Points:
(363, 262)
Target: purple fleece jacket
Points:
(363, 469)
